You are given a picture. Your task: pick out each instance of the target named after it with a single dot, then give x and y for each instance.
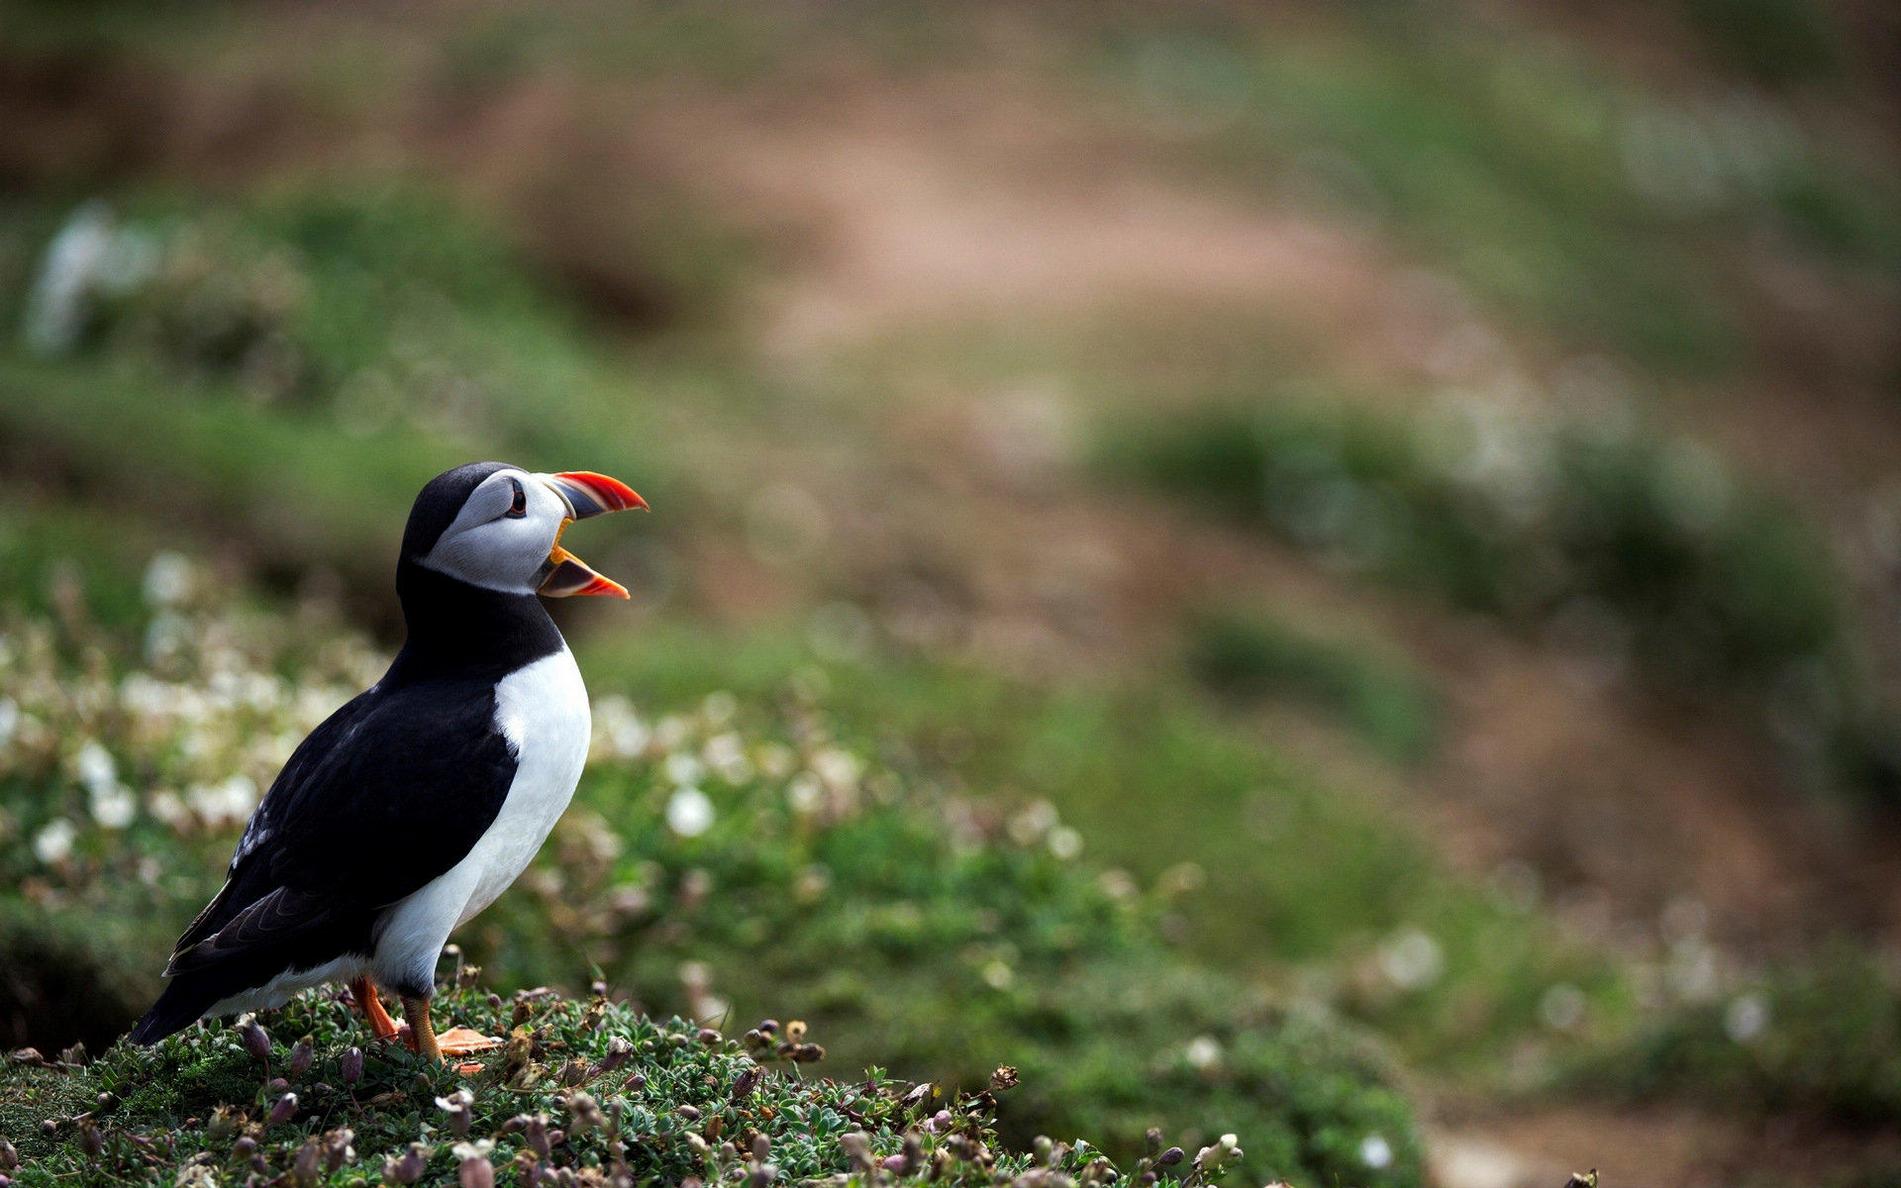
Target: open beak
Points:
(586, 494)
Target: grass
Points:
(1814, 1038)
(1714, 584)
(1245, 656)
(1562, 194)
(891, 846)
(279, 476)
(834, 825)
(1645, 553)
(1271, 873)
(583, 1086)
(730, 857)
(297, 364)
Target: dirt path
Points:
(1540, 1146)
(967, 197)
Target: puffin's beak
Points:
(586, 494)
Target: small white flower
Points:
(168, 580)
(1747, 1017)
(1412, 960)
(618, 730)
(114, 807)
(726, 755)
(670, 732)
(684, 770)
(689, 812)
(804, 793)
(1224, 1151)
(998, 975)
(54, 843)
(168, 806)
(94, 767)
(1036, 819)
(229, 801)
(1204, 1052)
(839, 769)
(1376, 1152)
(1065, 842)
(1562, 1007)
(719, 707)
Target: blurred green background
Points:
(1326, 571)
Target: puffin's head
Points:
(499, 527)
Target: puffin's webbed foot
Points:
(457, 1041)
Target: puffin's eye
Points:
(519, 507)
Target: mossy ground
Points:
(584, 1091)
(739, 854)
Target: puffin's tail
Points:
(182, 1003)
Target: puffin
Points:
(415, 805)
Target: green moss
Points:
(1816, 1038)
(818, 875)
(589, 1086)
(1648, 545)
(1251, 656)
(1261, 868)
(299, 363)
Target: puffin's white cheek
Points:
(505, 554)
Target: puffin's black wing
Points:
(391, 791)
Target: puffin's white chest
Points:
(542, 711)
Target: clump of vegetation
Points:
(1815, 1038)
(1639, 553)
(726, 857)
(584, 1091)
(1704, 582)
(227, 358)
(1252, 656)
(1775, 41)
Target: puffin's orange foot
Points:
(364, 991)
(420, 1035)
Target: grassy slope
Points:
(1319, 878)
(1567, 196)
(586, 1086)
(1327, 869)
(918, 930)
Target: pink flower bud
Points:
(406, 1168)
(257, 1041)
(301, 1057)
